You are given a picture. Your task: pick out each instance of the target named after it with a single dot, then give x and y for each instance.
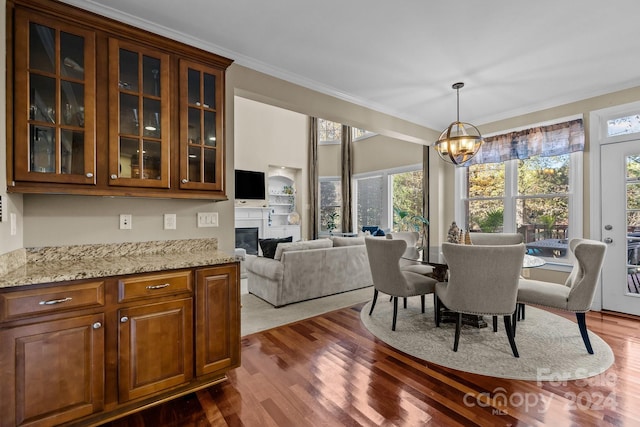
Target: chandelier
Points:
(460, 141)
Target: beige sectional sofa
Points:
(310, 269)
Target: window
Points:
(330, 205)
(623, 125)
(329, 132)
(537, 196)
(382, 198)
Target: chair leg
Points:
(514, 321)
(495, 323)
(458, 327)
(582, 324)
(512, 341)
(520, 311)
(435, 310)
(373, 303)
(405, 303)
(422, 302)
(395, 313)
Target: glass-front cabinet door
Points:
(54, 115)
(138, 116)
(201, 132)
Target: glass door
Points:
(138, 116)
(620, 186)
(200, 127)
(54, 101)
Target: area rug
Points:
(550, 346)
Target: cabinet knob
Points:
(184, 180)
(124, 319)
(113, 176)
(97, 325)
(89, 175)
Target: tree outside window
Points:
(330, 205)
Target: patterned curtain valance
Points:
(551, 140)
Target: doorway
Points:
(615, 204)
(620, 213)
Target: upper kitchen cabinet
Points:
(200, 126)
(98, 107)
(138, 116)
(54, 101)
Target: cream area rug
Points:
(258, 315)
(550, 346)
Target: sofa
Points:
(310, 269)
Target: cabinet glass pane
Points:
(210, 90)
(194, 126)
(72, 54)
(129, 149)
(129, 120)
(42, 99)
(151, 76)
(42, 149)
(72, 102)
(42, 48)
(151, 111)
(128, 70)
(210, 165)
(194, 164)
(72, 152)
(210, 128)
(194, 87)
(151, 160)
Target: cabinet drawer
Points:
(29, 302)
(154, 285)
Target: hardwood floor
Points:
(330, 371)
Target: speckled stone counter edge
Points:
(63, 263)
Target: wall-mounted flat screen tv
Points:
(250, 185)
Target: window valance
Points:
(550, 140)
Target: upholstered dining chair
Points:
(576, 294)
(411, 237)
(483, 280)
(384, 261)
(496, 238)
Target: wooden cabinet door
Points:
(201, 127)
(139, 143)
(52, 372)
(54, 101)
(155, 344)
(217, 319)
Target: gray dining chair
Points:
(483, 280)
(411, 237)
(496, 238)
(384, 260)
(576, 294)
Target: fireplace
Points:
(247, 239)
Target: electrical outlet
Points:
(207, 219)
(169, 221)
(126, 222)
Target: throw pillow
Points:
(269, 246)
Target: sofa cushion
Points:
(347, 241)
(269, 246)
(301, 246)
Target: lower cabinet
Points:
(138, 340)
(52, 371)
(155, 348)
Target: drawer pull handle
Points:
(97, 325)
(55, 301)
(124, 319)
(164, 285)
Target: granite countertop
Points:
(57, 264)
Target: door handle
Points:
(608, 240)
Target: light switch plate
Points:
(207, 219)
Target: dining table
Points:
(434, 257)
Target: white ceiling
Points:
(401, 57)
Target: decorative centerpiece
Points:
(454, 233)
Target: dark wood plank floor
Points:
(330, 371)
